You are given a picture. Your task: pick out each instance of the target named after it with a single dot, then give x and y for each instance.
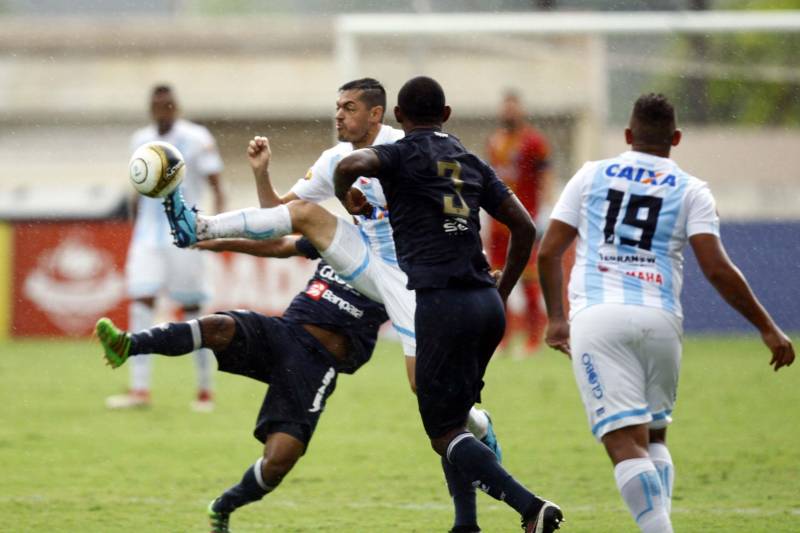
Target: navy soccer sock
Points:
(477, 463)
(463, 494)
(250, 489)
(172, 338)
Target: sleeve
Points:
(317, 185)
(494, 190)
(701, 212)
(306, 249)
(390, 156)
(568, 206)
(208, 158)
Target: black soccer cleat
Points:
(547, 520)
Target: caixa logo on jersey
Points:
(591, 375)
(640, 175)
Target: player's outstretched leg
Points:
(281, 453)
(170, 339)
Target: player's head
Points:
(652, 128)
(511, 113)
(421, 103)
(163, 107)
(359, 110)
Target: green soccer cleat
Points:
(116, 343)
(218, 521)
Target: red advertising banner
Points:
(66, 275)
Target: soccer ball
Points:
(156, 169)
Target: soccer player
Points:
(153, 264)
(327, 329)
(632, 215)
(436, 188)
(364, 254)
(520, 155)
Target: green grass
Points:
(68, 464)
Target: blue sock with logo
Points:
(250, 489)
(463, 493)
(477, 463)
(171, 338)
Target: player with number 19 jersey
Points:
(634, 214)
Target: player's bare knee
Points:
(217, 331)
(626, 443)
(302, 213)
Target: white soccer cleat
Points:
(139, 399)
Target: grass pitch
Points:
(68, 464)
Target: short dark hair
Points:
(653, 120)
(421, 99)
(161, 88)
(372, 91)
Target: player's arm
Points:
(283, 247)
(557, 239)
(731, 284)
(364, 162)
(513, 215)
(259, 155)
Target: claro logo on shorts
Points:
(591, 375)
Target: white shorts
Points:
(178, 272)
(351, 257)
(626, 361)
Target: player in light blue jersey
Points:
(632, 216)
(154, 267)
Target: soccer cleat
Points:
(490, 440)
(204, 402)
(547, 520)
(218, 521)
(182, 220)
(465, 529)
(116, 343)
(136, 399)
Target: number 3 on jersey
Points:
(450, 207)
(636, 203)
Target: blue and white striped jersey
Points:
(201, 157)
(317, 186)
(634, 214)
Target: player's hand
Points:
(781, 347)
(259, 154)
(557, 336)
(496, 275)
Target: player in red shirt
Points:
(520, 155)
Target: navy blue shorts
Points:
(457, 331)
(300, 372)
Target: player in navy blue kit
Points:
(327, 329)
(434, 189)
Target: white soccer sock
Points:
(662, 460)
(202, 356)
(140, 316)
(250, 223)
(640, 487)
(477, 422)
